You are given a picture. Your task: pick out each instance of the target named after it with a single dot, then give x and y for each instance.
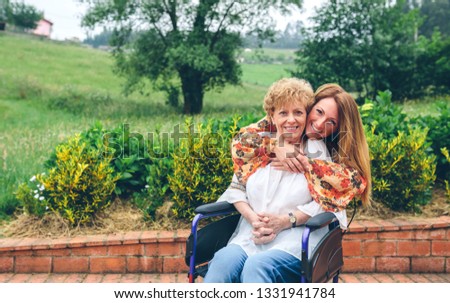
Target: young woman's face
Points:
(323, 120)
(290, 121)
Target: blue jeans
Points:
(232, 265)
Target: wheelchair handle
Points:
(217, 207)
(320, 220)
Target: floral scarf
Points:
(333, 186)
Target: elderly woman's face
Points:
(290, 121)
(323, 120)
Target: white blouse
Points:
(279, 192)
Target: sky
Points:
(66, 16)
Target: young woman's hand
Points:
(289, 159)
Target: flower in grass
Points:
(41, 198)
(147, 186)
(33, 179)
(36, 196)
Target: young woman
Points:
(270, 193)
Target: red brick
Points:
(401, 278)
(360, 236)
(356, 227)
(23, 244)
(395, 264)
(38, 278)
(5, 277)
(132, 237)
(434, 278)
(8, 244)
(90, 251)
(347, 278)
(423, 234)
(40, 244)
(387, 225)
(33, 264)
(182, 234)
(69, 265)
(351, 248)
(144, 264)
(383, 278)
(169, 249)
(77, 242)
(126, 250)
(59, 243)
(114, 278)
(19, 253)
(440, 248)
(359, 264)
(429, 264)
(149, 236)
(371, 226)
(366, 278)
(93, 278)
(379, 248)
(129, 278)
(174, 265)
(75, 278)
(52, 252)
(441, 222)
(438, 234)
(6, 264)
(148, 278)
(19, 278)
(95, 240)
(151, 249)
(166, 236)
(396, 235)
(404, 224)
(108, 265)
(418, 278)
(413, 248)
(57, 278)
(114, 239)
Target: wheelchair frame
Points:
(324, 262)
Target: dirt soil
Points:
(123, 217)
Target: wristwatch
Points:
(292, 219)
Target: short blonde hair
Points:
(288, 90)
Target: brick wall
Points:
(369, 246)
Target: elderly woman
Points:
(256, 252)
(270, 194)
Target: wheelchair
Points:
(321, 265)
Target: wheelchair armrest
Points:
(320, 220)
(217, 207)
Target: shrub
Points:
(438, 136)
(383, 115)
(202, 167)
(31, 197)
(403, 172)
(80, 183)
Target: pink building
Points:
(44, 28)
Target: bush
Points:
(202, 168)
(80, 183)
(384, 116)
(438, 136)
(403, 172)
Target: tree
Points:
(437, 13)
(4, 12)
(24, 16)
(183, 44)
(363, 45)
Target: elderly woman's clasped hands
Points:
(266, 227)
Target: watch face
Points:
(291, 218)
